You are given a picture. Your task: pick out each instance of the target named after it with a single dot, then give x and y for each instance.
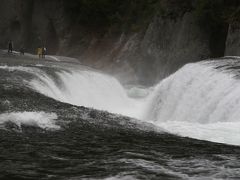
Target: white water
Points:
(89, 89)
(198, 102)
(37, 119)
(84, 88)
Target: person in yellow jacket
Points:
(39, 52)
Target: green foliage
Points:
(110, 13)
(173, 8)
(211, 13)
(233, 15)
(134, 15)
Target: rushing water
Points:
(198, 101)
(46, 134)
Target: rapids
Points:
(201, 100)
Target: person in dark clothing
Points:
(10, 46)
(22, 50)
(44, 51)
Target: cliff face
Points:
(170, 43)
(9, 26)
(165, 46)
(233, 41)
(135, 42)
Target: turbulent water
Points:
(46, 133)
(198, 101)
(201, 100)
(87, 88)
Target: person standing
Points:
(44, 51)
(22, 50)
(10, 46)
(39, 52)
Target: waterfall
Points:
(198, 101)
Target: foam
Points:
(38, 119)
(220, 132)
(198, 101)
(89, 89)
